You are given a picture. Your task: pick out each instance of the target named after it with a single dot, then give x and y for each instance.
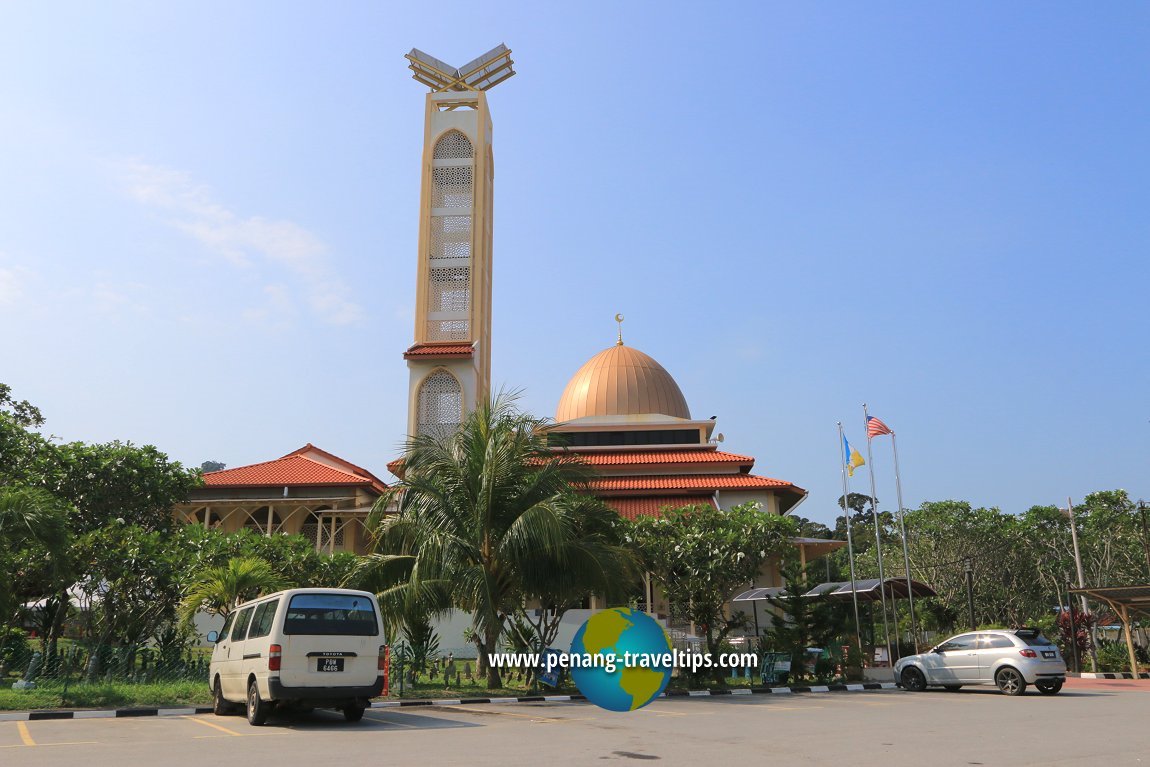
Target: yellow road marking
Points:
(65, 743)
(25, 736)
(213, 725)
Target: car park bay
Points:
(975, 725)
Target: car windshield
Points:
(328, 614)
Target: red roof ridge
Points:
(243, 474)
(359, 470)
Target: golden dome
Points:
(621, 381)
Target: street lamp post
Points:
(970, 591)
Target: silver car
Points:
(1009, 659)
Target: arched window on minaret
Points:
(449, 243)
(440, 404)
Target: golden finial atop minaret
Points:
(619, 319)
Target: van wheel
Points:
(220, 707)
(353, 713)
(258, 709)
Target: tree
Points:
(801, 622)
(701, 556)
(32, 521)
(218, 590)
(484, 523)
(597, 563)
(207, 466)
(117, 480)
(129, 583)
(22, 412)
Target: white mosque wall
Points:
(730, 498)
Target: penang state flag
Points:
(876, 428)
(854, 457)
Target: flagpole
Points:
(877, 540)
(850, 544)
(905, 549)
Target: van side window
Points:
(227, 625)
(262, 620)
(243, 618)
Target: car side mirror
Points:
(213, 636)
(937, 650)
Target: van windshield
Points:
(329, 614)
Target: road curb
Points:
(121, 713)
(859, 687)
(107, 713)
(1110, 675)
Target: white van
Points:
(308, 648)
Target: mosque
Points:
(621, 412)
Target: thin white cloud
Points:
(251, 241)
(13, 285)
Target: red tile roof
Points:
(653, 505)
(432, 351)
(663, 457)
(684, 482)
(293, 470)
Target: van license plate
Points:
(329, 664)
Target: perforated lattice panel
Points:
(451, 188)
(448, 330)
(325, 533)
(450, 237)
(453, 146)
(451, 290)
(440, 404)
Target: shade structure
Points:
(1129, 602)
(868, 590)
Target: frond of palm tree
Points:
(220, 589)
(30, 514)
(487, 520)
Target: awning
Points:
(1129, 602)
(867, 589)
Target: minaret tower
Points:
(450, 361)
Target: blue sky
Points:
(208, 216)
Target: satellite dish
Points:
(720, 437)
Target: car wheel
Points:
(258, 709)
(913, 680)
(220, 707)
(1009, 681)
(353, 713)
(1049, 687)
(952, 687)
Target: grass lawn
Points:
(106, 695)
(50, 693)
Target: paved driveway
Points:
(1089, 723)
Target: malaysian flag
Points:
(876, 428)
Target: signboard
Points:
(549, 678)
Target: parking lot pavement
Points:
(889, 728)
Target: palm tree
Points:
(219, 590)
(33, 515)
(487, 520)
(30, 515)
